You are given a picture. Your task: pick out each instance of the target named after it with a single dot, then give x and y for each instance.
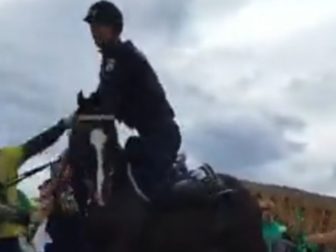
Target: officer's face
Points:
(102, 34)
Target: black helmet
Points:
(104, 12)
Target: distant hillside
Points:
(319, 211)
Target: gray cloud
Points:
(48, 54)
(242, 143)
(316, 95)
(155, 18)
(323, 183)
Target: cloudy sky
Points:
(252, 81)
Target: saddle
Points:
(185, 186)
(200, 185)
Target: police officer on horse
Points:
(130, 89)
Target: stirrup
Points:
(207, 169)
(203, 173)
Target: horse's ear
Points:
(80, 98)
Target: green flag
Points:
(24, 202)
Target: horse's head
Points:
(92, 144)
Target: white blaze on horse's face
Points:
(98, 139)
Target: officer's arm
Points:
(42, 141)
(144, 72)
(104, 95)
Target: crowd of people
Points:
(280, 238)
(54, 223)
(59, 228)
(15, 219)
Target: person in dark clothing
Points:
(10, 245)
(130, 90)
(11, 158)
(65, 222)
(64, 231)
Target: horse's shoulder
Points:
(229, 179)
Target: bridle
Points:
(96, 135)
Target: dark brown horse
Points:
(120, 218)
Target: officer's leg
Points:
(145, 161)
(156, 166)
(153, 155)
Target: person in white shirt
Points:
(41, 238)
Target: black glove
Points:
(23, 217)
